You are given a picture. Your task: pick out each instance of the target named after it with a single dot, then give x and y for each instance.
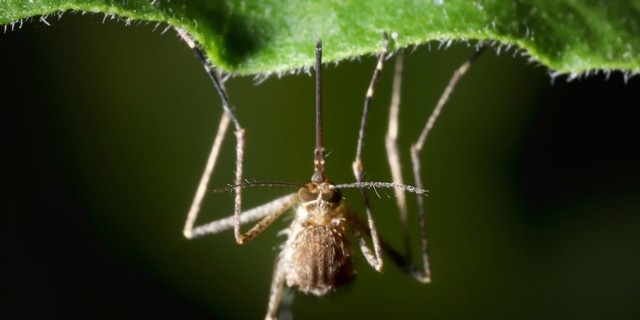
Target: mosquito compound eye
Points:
(332, 196)
(308, 193)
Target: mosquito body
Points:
(317, 257)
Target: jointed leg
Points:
(405, 261)
(280, 208)
(240, 138)
(357, 165)
(359, 227)
(204, 180)
(275, 294)
(415, 158)
(393, 153)
(269, 211)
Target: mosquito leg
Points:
(204, 180)
(417, 148)
(215, 150)
(275, 293)
(357, 164)
(212, 75)
(358, 227)
(266, 221)
(240, 138)
(285, 311)
(276, 206)
(406, 261)
(393, 154)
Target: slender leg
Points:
(240, 138)
(272, 216)
(393, 153)
(275, 207)
(359, 227)
(275, 294)
(417, 148)
(286, 304)
(405, 261)
(357, 164)
(204, 180)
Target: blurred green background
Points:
(533, 209)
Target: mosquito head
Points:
(320, 192)
(319, 200)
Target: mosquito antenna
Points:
(247, 184)
(383, 185)
(318, 175)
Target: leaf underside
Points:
(267, 36)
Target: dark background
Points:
(533, 209)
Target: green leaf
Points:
(257, 37)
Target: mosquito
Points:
(317, 257)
